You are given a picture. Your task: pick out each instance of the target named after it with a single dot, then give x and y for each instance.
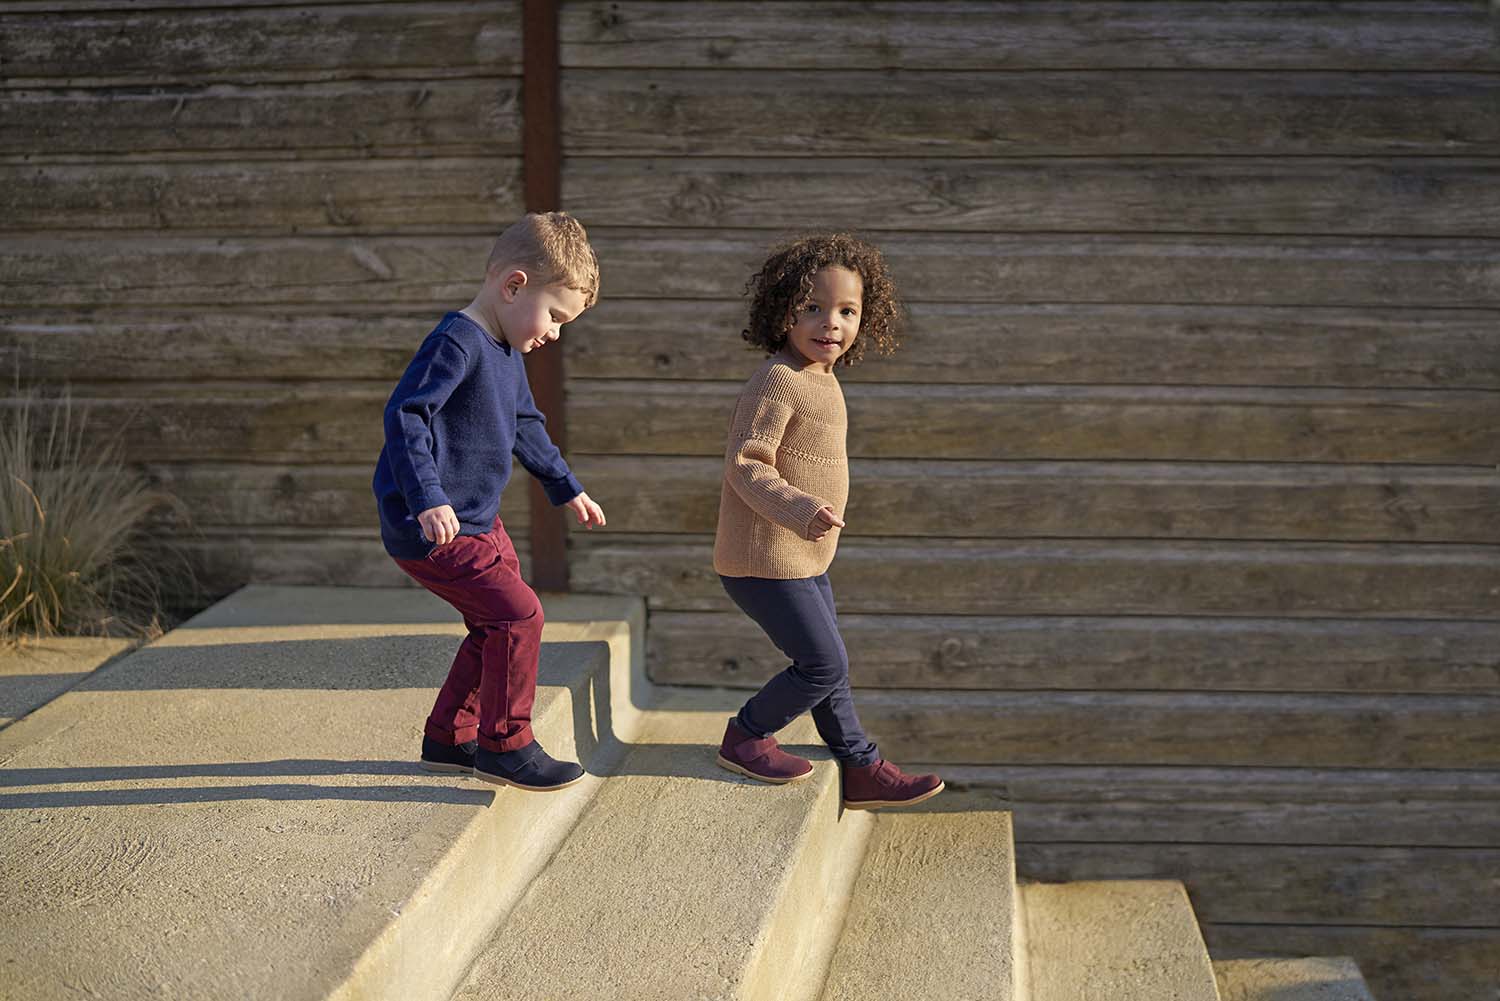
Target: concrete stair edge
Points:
(1310, 978)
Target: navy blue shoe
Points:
(527, 767)
(457, 758)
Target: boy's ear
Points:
(512, 280)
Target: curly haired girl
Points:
(817, 302)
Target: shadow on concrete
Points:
(162, 795)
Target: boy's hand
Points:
(439, 524)
(589, 514)
(823, 522)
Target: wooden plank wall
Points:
(226, 229)
(1174, 524)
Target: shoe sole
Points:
(501, 780)
(741, 770)
(875, 804)
(445, 767)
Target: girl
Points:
(817, 302)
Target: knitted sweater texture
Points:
(786, 458)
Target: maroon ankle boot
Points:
(883, 784)
(760, 757)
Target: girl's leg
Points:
(837, 722)
(800, 621)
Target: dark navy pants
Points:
(800, 618)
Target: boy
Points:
(451, 425)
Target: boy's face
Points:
(825, 326)
(532, 315)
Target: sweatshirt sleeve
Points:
(536, 451)
(439, 365)
(760, 420)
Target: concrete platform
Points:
(235, 811)
(1114, 941)
(933, 911)
(1316, 978)
(684, 880)
(38, 671)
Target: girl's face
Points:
(825, 326)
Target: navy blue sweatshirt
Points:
(451, 425)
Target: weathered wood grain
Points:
(1295, 884)
(1071, 653)
(311, 42)
(1250, 806)
(1038, 268)
(251, 497)
(60, 347)
(227, 559)
(1185, 728)
(894, 497)
(353, 118)
(654, 112)
(1417, 964)
(999, 343)
(623, 416)
(1424, 196)
(315, 196)
(645, 339)
(1049, 35)
(1062, 577)
(339, 272)
(51, 271)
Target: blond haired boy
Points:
(459, 413)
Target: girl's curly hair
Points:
(785, 282)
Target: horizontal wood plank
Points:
(621, 416)
(228, 559)
(1037, 268)
(1426, 196)
(890, 497)
(656, 112)
(352, 119)
(219, 495)
(340, 273)
(1414, 963)
(1296, 884)
(316, 42)
(1249, 806)
(166, 271)
(1061, 577)
(315, 196)
(61, 347)
(1072, 653)
(1001, 343)
(1185, 728)
(1046, 35)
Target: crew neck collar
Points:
(800, 364)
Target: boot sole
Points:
(741, 770)
(501, 780)
(875, 804)
(445, 768)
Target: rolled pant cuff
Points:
(454, 737)
(514, 742)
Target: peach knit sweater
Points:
(785, 459)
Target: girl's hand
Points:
(589, 514)
(439, 524)
(823, 522)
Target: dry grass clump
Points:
(76, 554)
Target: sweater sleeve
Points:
(760, 420)
(438, 367)
(536, 451)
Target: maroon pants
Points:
(492, 683)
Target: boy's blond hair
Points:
(553, 249)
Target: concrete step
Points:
(1316, 978)
(684, 880)
(235, 810)
(1114, 941)
(933, 915)
(35, 672)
